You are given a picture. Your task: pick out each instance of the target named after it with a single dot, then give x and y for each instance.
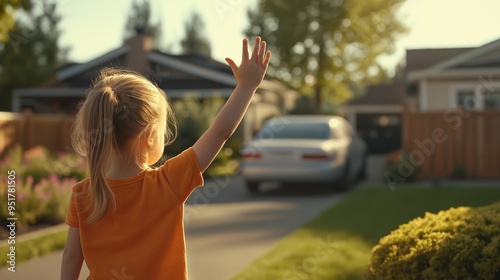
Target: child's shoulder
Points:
(80, 186)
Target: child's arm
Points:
(249, 75)
(72, 257)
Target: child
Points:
(126, 220)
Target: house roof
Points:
(383, 94)
(67, 72)
(169, 71)
(417, 59)
(178, 75)
(485, 59)
(200, 60)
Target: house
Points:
(442, 79)
(433, 80)
(376, 116)
(450, 129)
(178, 75)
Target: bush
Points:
(43, 185)
(459, 243)
(194, 118)
(38, 162)
(398, 168)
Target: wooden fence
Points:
(29, 130)
(453, 143)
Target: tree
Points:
(326, 47)
(32, 54)
(194, 42)
(139, 21)
(7, 10)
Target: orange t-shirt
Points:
(144, 237)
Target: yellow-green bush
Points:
(459, 243)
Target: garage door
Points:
(382, 132)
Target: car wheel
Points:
(362, 172)
(253, 187)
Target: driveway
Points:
(227, 228)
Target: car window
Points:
(295, 130)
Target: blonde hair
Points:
(121, 108)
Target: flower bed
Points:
(43, 186)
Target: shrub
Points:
(399, 168)
(459, 243)
(194, 118)
(43, 203)
(459, 172)
(54, 194)
(38, 162)
(43, 184)
(26, 206)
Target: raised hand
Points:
(252, 69)
(249, 76)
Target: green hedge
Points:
(35, 247)
(459, 243)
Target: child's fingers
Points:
(262, 51)
(244, 53)
(267, 58)
(232, 64)
(255, 51)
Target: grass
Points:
(337, 244)
(35, 247)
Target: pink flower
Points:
(34, 152)
(20, 197)
(54, 179)
(29, 180)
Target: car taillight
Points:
(315, 156)
(250, 156)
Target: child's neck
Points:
(118, 173)
(121, 168)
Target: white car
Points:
(302, 148)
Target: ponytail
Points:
(98, 144)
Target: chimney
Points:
(138, 48)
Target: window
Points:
(467, 99)
(479, 98)
(492, 99)
(295, 130)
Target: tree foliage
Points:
(32, 54)
(194, 42)
(7, 10)
(139, 21)
(326, 47)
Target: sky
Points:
(93, 27)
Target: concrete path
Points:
(375, 171)
(224, 234)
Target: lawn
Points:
(337, 243)
(36, 247)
